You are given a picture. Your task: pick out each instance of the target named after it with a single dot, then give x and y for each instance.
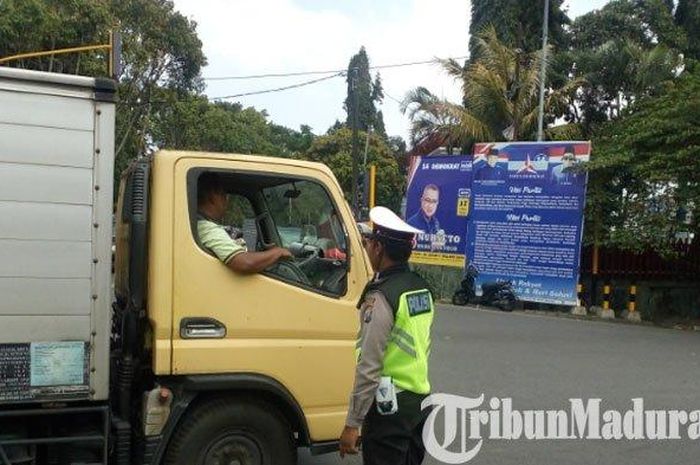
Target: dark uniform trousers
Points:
(395, 439)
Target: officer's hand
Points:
(349, 441)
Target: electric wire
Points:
(337, 73)
(309, 73)
(278, 89)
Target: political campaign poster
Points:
(438, 200)
(526, 221)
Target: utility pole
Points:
(543, 72)
(355, 122)
(364, 159)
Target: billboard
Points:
(526, 217)
(438, 200)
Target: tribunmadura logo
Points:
(467, 423)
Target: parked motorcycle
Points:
(497, 294)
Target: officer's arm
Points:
(375, 338)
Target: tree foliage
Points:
(366, 93)
(518, 24)
(193, 123)
(335, 151)
(645, 169)
(40, 25)
(501, 94)
(161, 53)
(623, 51)
(688, 18)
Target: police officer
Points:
(391, 377)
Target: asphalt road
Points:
(543, 361)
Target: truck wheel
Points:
(225, 431)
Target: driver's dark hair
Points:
(208, 184)
(397, 251)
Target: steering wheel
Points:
(315, 253)
(290, 270)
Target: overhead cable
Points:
(309, 73)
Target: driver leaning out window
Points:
(212, 204)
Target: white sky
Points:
(243, 37)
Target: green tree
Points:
(501, 93)
(398, 151)
(431, 117)
(162, 54)
(335, 151)
(645, 169)
(162, 61)
(623, 51)
(193, 123)
(366, 92)
(688, 18)
(518, 24)
(291, 142)
(42, 25)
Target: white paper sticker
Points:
(57, 363)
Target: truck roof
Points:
(174, 155)
(101, 89)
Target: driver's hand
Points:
(283, 253)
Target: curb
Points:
(590, 316)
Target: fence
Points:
(665, 287)
(646, 265)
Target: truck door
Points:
(296, 322)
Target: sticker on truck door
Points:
(44, 370)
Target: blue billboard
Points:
(526, 218)
(438, 201)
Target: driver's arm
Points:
(234, 255)
(255, 262)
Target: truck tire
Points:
(225, 431)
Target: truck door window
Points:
(268, 210)
(308, 224)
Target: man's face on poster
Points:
(492, 160)
(568, 160)
(429, 202)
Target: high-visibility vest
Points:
(406, 355)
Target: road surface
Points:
(543, 361)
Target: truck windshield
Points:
(303, 212)
(308, 224)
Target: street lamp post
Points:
(543, 71)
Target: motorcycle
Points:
(497, 294)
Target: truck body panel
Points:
(56, 171)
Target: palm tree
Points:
(430, 117)
(501, 91)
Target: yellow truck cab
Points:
(162, 355)
(266, 360)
